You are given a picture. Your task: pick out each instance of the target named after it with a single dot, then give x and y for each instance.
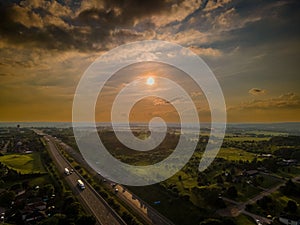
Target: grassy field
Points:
(246, 192)
(269, 181)
(40, 181)
(246, 138)
(24, 163)
(244, 220)
(234, 154)
(292, 171)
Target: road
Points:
(144, 210)
(89, 197)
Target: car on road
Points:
(67, 171)
(258, 222)
(80, 184)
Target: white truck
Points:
(80, 184)
(67, 171)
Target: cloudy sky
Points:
(252, 46)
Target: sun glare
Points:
(150, 81)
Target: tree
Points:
(265, 203)
(232, 192)
(73, 210)
(57, 219)
(291, 207)
(46, 190)
(212, 221)
(229, 178)
(219, 179)
(6, 198)
(86, 220)
(290, 188)
(179, 178)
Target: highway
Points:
(103, 213)
(144, 210)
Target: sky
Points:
(252, 47)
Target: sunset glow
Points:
(150, 81)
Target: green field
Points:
(246, 191)
(246, 138)
(244, 220)
(24, 163)
(235, 154)
(269, 181)
(289, 172)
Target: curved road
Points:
(103, 213)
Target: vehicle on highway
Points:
(258, 222)
(80, 184)
(67, 171)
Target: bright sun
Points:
(150, 81)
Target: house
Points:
(289, 220)
(262, 169)
(265, 156)
(251, 173)
(32, 217)
(289, 162)
(36, 206)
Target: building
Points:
(289, 220)
(251, 173)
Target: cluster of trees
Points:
(285, 141)
(221, 221)
(6, 198)
(8, 174)
(290, 189)
(210, 197)
(288, 153)
(273, 206)
(26, 140)
(71, 213)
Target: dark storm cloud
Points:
(245, 23)
(83, 30)
(16, 33)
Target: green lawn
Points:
(244, 220)
(246, 191)
(235, 154)
(40, 181)
(24, 163)
(269, 181)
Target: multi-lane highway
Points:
(145, 211)
(103, 213)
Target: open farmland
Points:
(23, 163)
